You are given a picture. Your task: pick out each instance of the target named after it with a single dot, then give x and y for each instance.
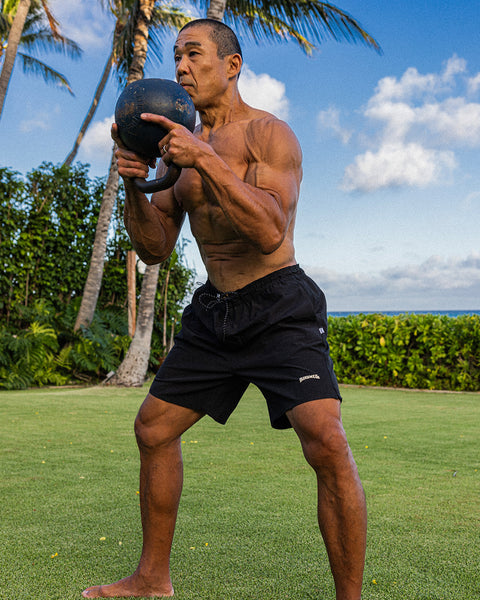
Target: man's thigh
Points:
(315, 419)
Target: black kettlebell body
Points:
(158, 96)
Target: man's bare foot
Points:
(126, 588)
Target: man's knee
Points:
(327, 449)
(152, 435)
(159, 424)
(319, 427)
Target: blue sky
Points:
(389, 215)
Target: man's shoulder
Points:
(262, 118)
(269, 133)
(262, 122)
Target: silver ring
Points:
(164, 149)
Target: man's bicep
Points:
(279, 160)
(167, 206)
(281, 181)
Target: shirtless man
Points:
(258, 318)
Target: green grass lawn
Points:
(247, 523)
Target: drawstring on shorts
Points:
(210, 301)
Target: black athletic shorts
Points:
(272, 333)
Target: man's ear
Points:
(234, 65)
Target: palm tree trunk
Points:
(131, 291)
(216, 9)
(93, 283)
(141, 40)
(94, 278)
(165, 308)
(91, 110)
(12, 47)
(133, 370)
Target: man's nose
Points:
(182, 66)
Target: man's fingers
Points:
(159, 120)
(130, 164)
(116, 136)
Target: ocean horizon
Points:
(392, 313)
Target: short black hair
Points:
(223, 37)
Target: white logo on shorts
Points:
(305, 377)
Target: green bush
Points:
(48, 221)
(407, 350)
(48, 352)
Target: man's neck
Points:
(230, 108)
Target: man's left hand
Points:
(179, 146)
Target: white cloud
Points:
(409, 86)
(437, 283)
(413, 84)
(453, 120)
(84, 22)
(395, 165)
(97, 144)
(39, 120)
(454, 66)
(263, 92)
(473, 84)
(421, 118)
(330, 119)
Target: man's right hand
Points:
(130, 164)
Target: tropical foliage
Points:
(48, 223)
(307, 22)
(41, 34)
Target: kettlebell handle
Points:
(162, 183)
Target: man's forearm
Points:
(247, 207)
(146, 227)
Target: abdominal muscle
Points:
(233, 263)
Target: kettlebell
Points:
(158, 96)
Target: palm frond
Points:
(320, 20)
(303, 21)
(44, 40)
(4, 26)
(52, 21)
(274, 30)
(37, 67)
(165, 19)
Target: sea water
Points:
(391, 313)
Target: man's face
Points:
(198, 68)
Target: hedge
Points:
(421, 351)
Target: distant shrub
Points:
(408, 350)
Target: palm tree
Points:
(30, 24)
(128, 57)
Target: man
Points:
(259, 319)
